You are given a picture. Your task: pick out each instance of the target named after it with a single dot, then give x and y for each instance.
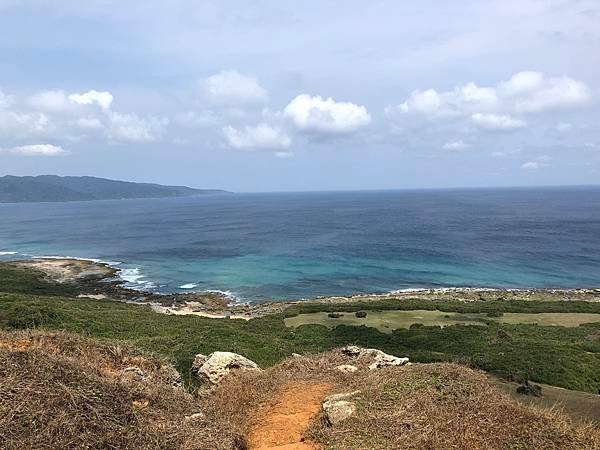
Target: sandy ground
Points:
(196, 309)
(281, 423)
(69, 270)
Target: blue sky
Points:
(302, 95)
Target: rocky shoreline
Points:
(99, 280)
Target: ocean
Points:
(300, 245)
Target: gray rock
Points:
(380, 359)
(172, 376)
(196, 417)
(344, 396)
(214, 367)
(337, 409)
(199, 360)
(347, 368)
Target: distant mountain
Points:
(52, 188)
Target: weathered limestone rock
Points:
(337, 408)
(347, 368)
(134, 371)
(380, 359)
(217, 365)
(171, 375)
(199, 360)
(196, 417)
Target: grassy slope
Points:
(89, 401)
(28, 281)
(567, 357)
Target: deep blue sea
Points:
(300, 245)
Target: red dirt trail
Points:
(280, 423)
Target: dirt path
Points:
(280, 424)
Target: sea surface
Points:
(302, 245)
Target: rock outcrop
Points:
(347, 368)
(379, 359)
(214, 367)
(338, 408)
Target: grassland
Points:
(60, 391)
(388, 321)
(567, 357)
(560, 356)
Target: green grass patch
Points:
(495, 307)
(30, 281)
(559, 356)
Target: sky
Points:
(303, 95)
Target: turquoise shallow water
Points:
(297, 245)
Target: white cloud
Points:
(522, 83)
(229, 87)
(532, 165)
(284, 155)
(88, 123)
(455, 146)
(461, 100)
(492, 107)
(533, 92)
(5, 100)
(260, 137)
(318, 115)
(35, 150)
(132, 128)
(50, 101)
(59, 115)
(497, 122)
(103, 99)
(24, 123)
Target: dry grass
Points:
(63, 391)
(420, 406)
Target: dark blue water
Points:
(295, 245)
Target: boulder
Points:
(199, 360)
(347, 368)
(380, 359)
(171, 375)
(337, 408)
(351, 350)
(214, 367)
(384, 360)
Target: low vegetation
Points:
(91, 400)
(566, 357)
(28, 281)
(559, 356)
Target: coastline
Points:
(101, 280)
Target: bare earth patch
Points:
(281, 423)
